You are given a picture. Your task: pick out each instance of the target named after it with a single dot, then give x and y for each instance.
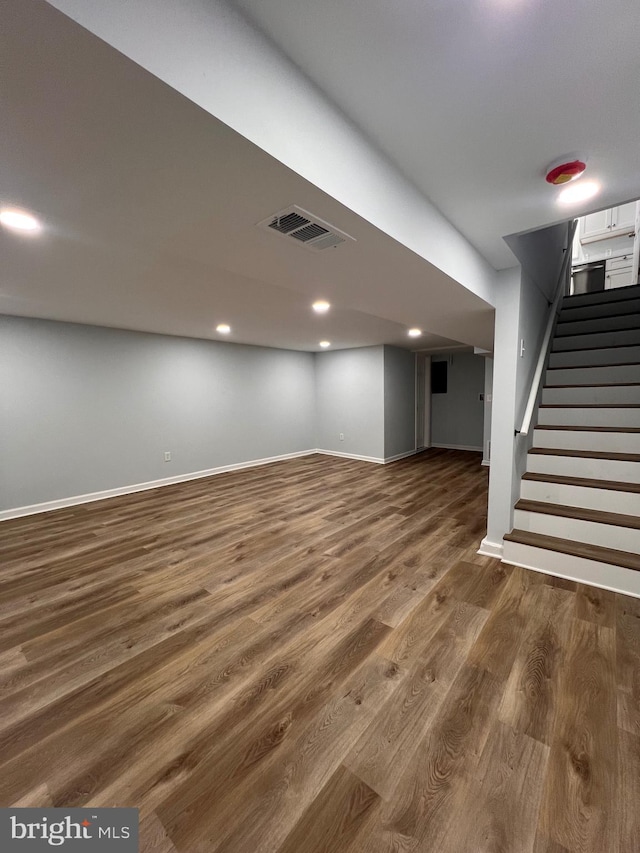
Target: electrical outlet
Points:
(167, 456)
(341, 436)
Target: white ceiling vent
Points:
(308, 230)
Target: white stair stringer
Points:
(578, 516)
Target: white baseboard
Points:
(456, 447)
(75, 500)
(377, 459)
(491, 549)
(485, 462)
(395, 458)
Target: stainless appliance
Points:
(587, 278)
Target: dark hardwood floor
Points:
(311, 656)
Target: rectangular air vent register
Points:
(307, 230)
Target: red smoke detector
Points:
(566, 172)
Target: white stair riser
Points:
(589, 417)
(629, 306)
(578, 530)
(597, 324)
(593, 357)
(587, 394)
(601, 297)
(578, 466)
(605, 442)
(575, 568)
(629, 337)
(607, 500)
(593, 375)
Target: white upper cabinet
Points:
(594, 225)
(624, 217)
(607, 223)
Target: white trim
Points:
(377, 459)
(48, 506)
(395, 458)
(490, 549)
(485, 462)
(456, 447)
(75, 500)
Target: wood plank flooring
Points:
(311, 657)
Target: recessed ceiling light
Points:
(325, 344)
(223, 328)
(580, 191)
(321, 306)
(18, 220)
(414, 333)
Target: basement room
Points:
(319, 427)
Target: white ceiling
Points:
(150, 205)
(473, 99)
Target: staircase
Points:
(579, 510)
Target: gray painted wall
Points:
(488, 403)
(540, 254)
(423, 400)
(350, 400)
(399, 401)
(503, 409)
(457, 417)
(84, 409)
(541, 260)
(532, 322)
